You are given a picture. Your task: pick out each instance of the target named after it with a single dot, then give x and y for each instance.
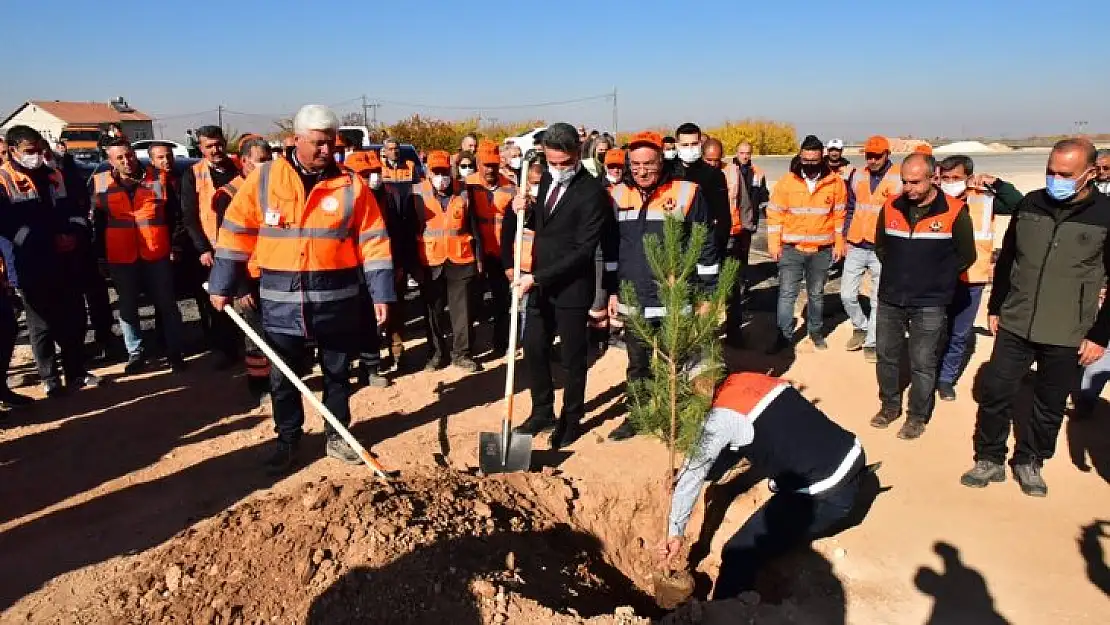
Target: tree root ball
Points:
(672, 588)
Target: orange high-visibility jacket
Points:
(981, 206)
(443, 235)
(868, 204)
(135, 227)
(403, 172)
(489, 208)
(206, 189)
(310, 248)
(806, 220)
(230, 189)
(733, 179)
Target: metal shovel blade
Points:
(491, 447)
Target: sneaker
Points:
(869, 355)
(435, 363)
(466, 364)
(85, 380)
(52, 388)
(1029, 478)
(135, 363)
(912, 429)
(282, 459)
(623, 432)
(885, 417)
(535, 424)
(11, 399)
(781, 344)
(339, 449)
(946, 391)
(818, 341)
(983, 473)
(856, 342)
(376, 381)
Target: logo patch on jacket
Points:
(330, 205)
(669, 204)
(935, 226)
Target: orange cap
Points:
(876, 145)
(649, 138)
(488, 154)
(924, 148)
(439, 159)
(340, 141)
(614, 157)
(363, 161)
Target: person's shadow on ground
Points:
(435, 583)
(1090, 546)
(960, 593)
(1089, 441)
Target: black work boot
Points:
(10, 399)
(946, 391)
(885, 417)
(467, 364)
(135, 363)
(983, 473)
(623, 431)
(535, 424)
(566, 432)
(781, 344)
(285, 454)
(1029, 478)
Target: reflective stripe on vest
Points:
(748, 393)
(206, 190)
(981, 207)
(20, 187)
(868, 204)
(674, 198)
(135, 224)
(444, 234)
(232, 189)
(342, 231)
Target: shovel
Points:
(276, 361)
(508, 451)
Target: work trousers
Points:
(786, 521)
(639, 355)
(56, 314)
(857, 261)
(544, 322)
(448, 287)
(333, 353)
(9, 331)
(155, 278)
(1035, 433)
(739, 248)
(369, 340)
(499, 290)
(961, 330)
(398, 314)
(98, 303)
(257, 385)
(794, 266)
(925, 326)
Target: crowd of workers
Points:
(316, 244)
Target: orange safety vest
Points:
(231, 188)
(674, 197)
(135, 226)
(808, 221)
(20, 187)
(868, 204)
(980, 205)
(489, 209)
(748, 393)
(402, 173)
(206, 190)
(443, 235)
(734, 180)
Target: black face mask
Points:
(811, 170)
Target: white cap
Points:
(835, 144)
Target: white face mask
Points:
(515, 162)
(612, 179)
(954, 189)
(30, 161)
(440, 182)
(1103, 187)
(670, 154)
(689, 154)
(559, 176)
(375, 181)
(534, 191)
(465, 171)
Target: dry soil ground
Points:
(143, 501)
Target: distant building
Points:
(51, 117)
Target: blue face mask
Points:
(1061, 189)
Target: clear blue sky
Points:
(850, 69)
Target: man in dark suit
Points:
(568, 216)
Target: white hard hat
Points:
(835, 144)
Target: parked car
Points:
(179, 150)
(526, 142)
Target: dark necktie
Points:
(553, 198)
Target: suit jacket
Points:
(566, 241)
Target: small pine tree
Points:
(668, 403)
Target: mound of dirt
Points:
(437, 548)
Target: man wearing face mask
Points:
(1044, 308)
(568, 218)
(986, 196)
(710, 180)
(670, 151)
(448, 243)
(642, 202)
(490, 195)
(1102, 167)
(50, 234)
(514, 160)
(925, 240)
(868, 190)
(805, 236)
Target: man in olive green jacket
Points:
(1044, 308)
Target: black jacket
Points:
(714, 190)
(1053, 263)
(566, 241)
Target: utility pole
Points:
(220, 114)
(374, 113)
(365, 106)
(614, 112)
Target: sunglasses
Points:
(872, 156)
(466, 165)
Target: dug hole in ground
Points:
(144, 502)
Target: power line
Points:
(500, 106)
